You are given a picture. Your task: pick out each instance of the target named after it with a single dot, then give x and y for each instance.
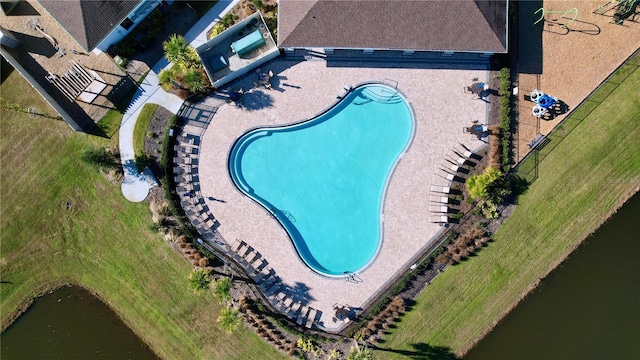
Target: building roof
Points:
(89, 21)
(458, 25)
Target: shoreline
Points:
(50, 289)
(527, 291)
(55, 285)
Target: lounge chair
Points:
(311, 318)
(304, 310)
(439, 209)
(439, 219)
(440, 199)
(440, 189)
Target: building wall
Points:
(136, 16)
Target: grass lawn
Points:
(589, 172)
(140, 132)
(62, 222)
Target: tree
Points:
(193, 80)
(359, 353)
(177, 50)
(199, 280)
(99, 158)
(229, 320)
(221, 289)
(478, 186)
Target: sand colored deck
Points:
(301, 90)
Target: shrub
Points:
(194, 81)
(258, 4)
(505, 118)
(478, 185)
(217, 29)
(222, 288)
(99, 158)
(199, 280)
(229, 320)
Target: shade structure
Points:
(248, 43)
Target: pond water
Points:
(70, 323)
(588, 308)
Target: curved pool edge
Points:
(234, 149)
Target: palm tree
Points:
(357, 352)
(176, 50)
(193, 80)
(221, 289)
(229, 319)
(199, 280)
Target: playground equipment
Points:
(623, 10)
(573, 12)
(543, 101)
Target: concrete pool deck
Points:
(301, 90)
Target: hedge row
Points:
(505, 118)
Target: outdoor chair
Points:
(236, 245)
(439, 209)
(268, 282)
(440, 199)
(439, 219)
(440, 189)
(272, 290)
(293, 310)
(311, 318)
(267, 271)
(302, 315)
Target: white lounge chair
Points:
(440, 199)
(439, 219)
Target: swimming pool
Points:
(324, 179)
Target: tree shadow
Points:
(519, 186)
(255, 100)
(299, 291)
(424, 351)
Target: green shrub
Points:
(99, 158)
(505, 118)
(229, 320)
(222, 289)
(478, 185)
(258, 4)
(199, 280)
(217, 29)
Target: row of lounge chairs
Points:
(185, 170)
(277, 293)
(451, 170)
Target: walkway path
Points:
(135, 186)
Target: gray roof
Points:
(456, 25)
(89, 21)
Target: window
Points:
(127, 24)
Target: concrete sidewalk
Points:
(135, 186)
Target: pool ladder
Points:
(385, 96)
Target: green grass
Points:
(110, 122)
(590, 171)
(140, 133)
(63, 222)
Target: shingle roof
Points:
(457, 25)
(89, 21)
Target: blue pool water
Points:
(325, 178)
